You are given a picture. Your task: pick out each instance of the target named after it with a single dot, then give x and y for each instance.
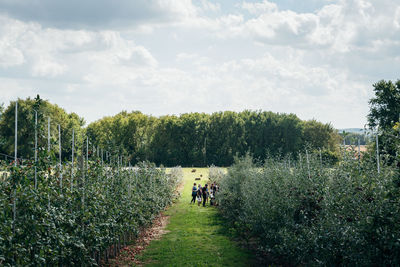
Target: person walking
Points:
(205, 192)
(194, 193)
(198, 197)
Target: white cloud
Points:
(50, 53)
(343, 26)
(98, 14)
(179, 57)
(260, 8)
(47, 67)
(10, 56)
(396, 20)
(208, 6)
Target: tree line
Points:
(191, 139)
(46, 112)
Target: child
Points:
(198, 197)
(212, 199)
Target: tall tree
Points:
(385, 113)
(385, 106)
(320, 135)
(26, 127)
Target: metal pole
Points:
(35, 149)
(308, 164)
(130, 181)
(118, 165)
(72, 165)
(48, 134)
(15, 164)
(359, 154)
(59, 145)
(320, 157)
(16, 134)
(301, 161)
(377, 154)
(87, 153)
(102, 159)
(83, 178)
(344, 147)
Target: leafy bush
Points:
(215, 174)
(77, 223)
(312, 215)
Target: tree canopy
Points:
(26, 127)
(190, 139)
(385, 106)
(384, 114)
(199, 139)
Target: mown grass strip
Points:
(197, 236)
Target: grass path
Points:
(196, 236)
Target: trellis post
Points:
(16, 134)
(59, 156)
(35, 149)
(377, 153)
(308, 164)
(48, 134)
(72, 157)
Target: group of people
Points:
(204, 194)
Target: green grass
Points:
(197, 236)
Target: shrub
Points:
(215, 174)
(312, 215)
(71, 225)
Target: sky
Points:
(317, 59)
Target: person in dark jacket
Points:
(205, 192)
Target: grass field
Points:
(197, 236)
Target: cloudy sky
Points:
(315, 58)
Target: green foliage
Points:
(385, 113)
(125, 133)
(319, 135)
(198, 139)
(26, 127)
(311, 215)
(192, 139)
(329, 158)
(385, 106)
(216, 174)
(354, 138)
(1, 109)
(57, 226)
